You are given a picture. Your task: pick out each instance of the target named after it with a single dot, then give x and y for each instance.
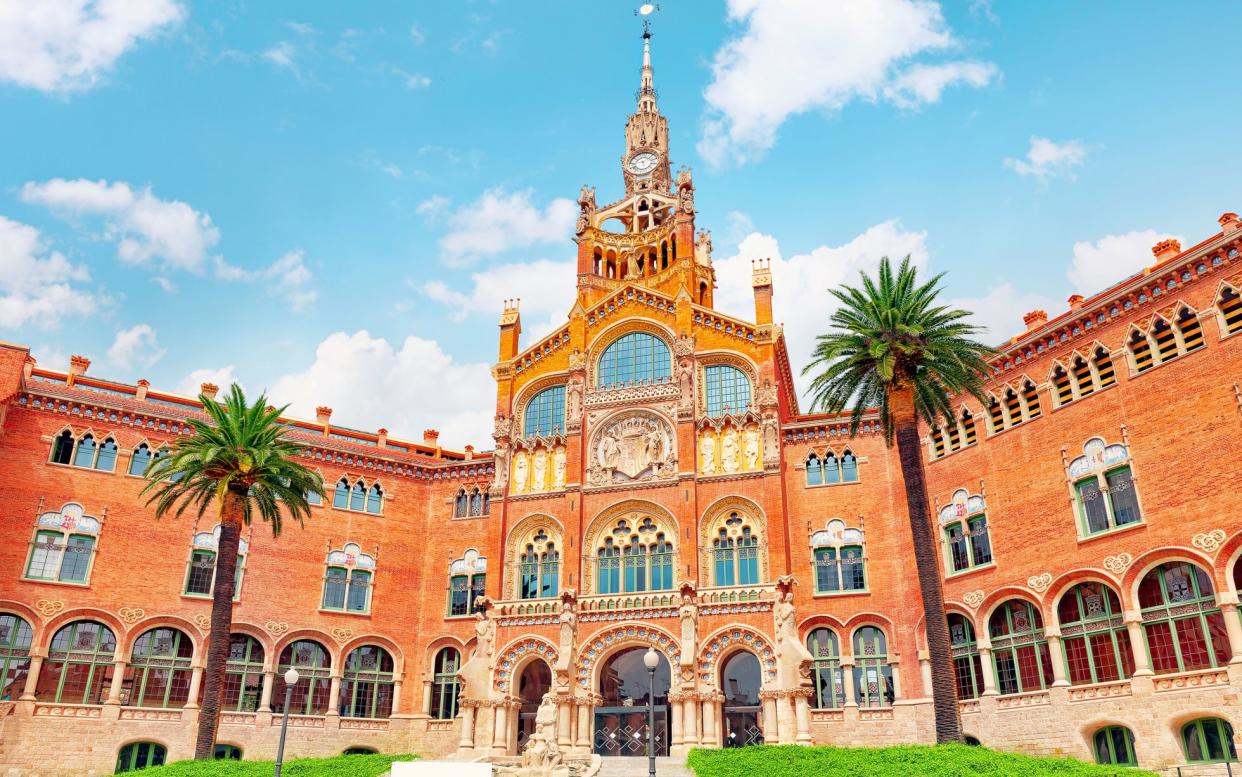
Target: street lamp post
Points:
(291, 679)
(651, 660)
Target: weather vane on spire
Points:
(645, 10)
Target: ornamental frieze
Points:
(1210, 541)
(653, 392)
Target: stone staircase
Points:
(637, 767)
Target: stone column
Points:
(1138, 645)
(769, 710)
(784, 719)
(334, 697)
(802, 715)
(426, 697)
(1233, 626)
(564, 715)
(925, 671)
(1057, 654)
(489, 731)
(467, 727)
(118, 680)
(500, 735)
(675, 724)
(396, 697)
(196, 682)
(847, 675)
(711, 727)
(32, 679)
(584, 724)
(989, 671)
(265, 696)
(691, 734)
(892, 665)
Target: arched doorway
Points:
(739, 681)
(536, 680)
(621, 720)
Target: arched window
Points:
(1209, 740)
(996, 415)
(340, 496)
(1190, 330)
(243, 678)
(735, 553)
(79, 664)
(967, 664)
(1114, 746)
(357, 496)
(15, 639)
(140, 460)
(359, 751)
(1140, 351)
(1103, 485)
(444, 684)
(632, 559)
(367, 684)
(832, 468)
(545, 413)
(140, 755)
(1093, 635)
(63, 545)
(1062, 389)
(814, 471)
(467, 582)
(105, 460)
(461, 505)
(62, 448)
(84, 456)
(1104, 369)
(1030, 395)
(970, 433)
(1165, 339)
(728, 391)
(159, 669)
(1019, 650)
(840, 559)
(226, 753)
(1229, 303)
(375, 499)
(634, 359)
(539, 568)
(873, 676)
(938, 443)
(1013, 407)
(965, 525)
(310, 695)
(829, 680)
(1185, 629)
(200, 575)
(849, 467)
(347, 580)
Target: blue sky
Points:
(330, 201)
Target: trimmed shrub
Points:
(340, 766)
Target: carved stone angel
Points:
(586, 209)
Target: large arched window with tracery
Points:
(1185, 629)
(159, 669)
(1093, 635)
(873, 675)
(967, 664)
(367, 684)
(634, 359)
(79, 665)
(539, 567)
(735, 550)
(727, 390)
(635, 556)
(243, 678)
(545, 413)
(311, 694)
(15, 638)
(1019, 649)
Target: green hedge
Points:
(940, 761)
(340, 766)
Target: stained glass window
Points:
(159, 669)
(79, 665)
(545, 413)
(634, 359)
(243, 679)
(1093, 635)
(829, 680)
(728, 391)
(367, 683)
(445, 686)
(311, 693)
(873, 676)
(1185, 629)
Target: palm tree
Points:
(236, 464)
(893, 348)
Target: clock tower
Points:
(645, 164)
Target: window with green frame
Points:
(84, 453)
(143, 457)
(159, 669)
(830, 470)
(1093, 635)
(967, 663)
(464, 592)
(735, 553)
(445, 687)
(312, 691)
(826, 669)
(15, 638)
(873, 675)
(1104, 492)
(79, 665)
(964, 522)
(200, 574)
(347, 580)
(1114, 746)
(227, 753)
(1019, 650)
(1185, 629)
(140, 755)
(539, 567)
(1209, 740)
(840, 560)
(634, 559)
(545, 413)
(367, 683)
(634, 359)
(243, 674)
(728, 390)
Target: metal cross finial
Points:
(645, 10)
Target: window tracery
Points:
(825, 468)
(200, 575)
(873, 675)
(534, 558)
(544, 414)
(467, 583)
(1093, 635)
(635, 555)
(1019, 649)
(63, 547)
(348, 580)
(1229, 307)
(967, 661)
(471, 502)
(735, 544)
(358, 496)
(634, 359)
(840, 559)
(1103, 488)
(85, 452)
(964, 523)
(1184, 627)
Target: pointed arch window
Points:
(831, 469)
(814, 470)
(15, 638)
(1165, 339)
(1030, 395)
(1019, 650)
(63, 547)
(970, 435)
(243, 678)
(965, 525)
(633, 559)
(358, 496)
(461, 505)
(139, 460)
(367, 683)
(545, 413)
(873, 675)
(200, 574)
(539, 568)
(1104, 370)
(1229, 303)
(1140, 351)
(445, 687)
(967, 663)
(840, 559)
(996, 414)
(348, 580)
(1185, 628)
(467, 583)
(159, 669)
(1103, 486)
(1190, 331)
(825, 648)
(1062, 389)
(735, 552)
(87, 452)
(633, 359)
(1083, 379)
(311, 693)
(728, 390)
(79, 665)
(1093, 635)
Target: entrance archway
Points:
(621, 719)
(536, 680)
(740, 680)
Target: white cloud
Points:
(800, 283)
(499, 221)
(283, 55)
(412, 80)
(289, 277)
(1046, 158)
(370, 383)
(1112, 258)
(191, 384)
(794, 56)
(168, 286)
(545, 287)
(137, 346)
(1000, 311)
(433, 208)
(63, 45)
(38, 285)
(147, 230)
(417, 35)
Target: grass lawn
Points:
(906, 761)
(340, 766)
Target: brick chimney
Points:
(1166, 249)
(323, 414)
(1035, 319)
(28, 367)
(431, 437)
(510, 329)
(143, 386)
(1075, 301)
(209, 390)
(381, 438)
(78, 365)
(1228, 222)
(469, 452)
(761, 281)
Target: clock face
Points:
(642, 163)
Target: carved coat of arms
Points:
(636, 446)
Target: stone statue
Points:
(685, 199)
(500, 458)
(573, 401)
(569, 628)
(586, 208)
(729, 450)
(686, 378)
(792, 655)
(558, 468)
(771, 446)
(519, 473)
(610, 451)
(476, 673)
(502, 428)
(654, 444)
(707, 453)
(751, 449)
(539, 479)
(689, 613)
(542, 756)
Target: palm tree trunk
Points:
(931, 583)
(221, 624)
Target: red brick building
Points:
(654, 483)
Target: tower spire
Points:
(646, 89)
